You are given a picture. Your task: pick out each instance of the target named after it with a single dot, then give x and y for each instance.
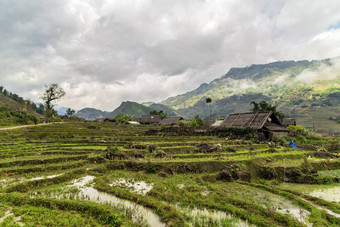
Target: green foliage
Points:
(160, 112)
(297, 129)
(164, 115)
(10, 117)
(199, 121)
(70, 112)
(193, 123)
(263, 106)
(123, 118)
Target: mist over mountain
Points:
(306, 90)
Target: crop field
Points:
(92, 174)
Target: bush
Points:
(297, 130)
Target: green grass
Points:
(183, 178)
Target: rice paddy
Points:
(91, 174)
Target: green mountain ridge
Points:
(128, 107)
(306, 90)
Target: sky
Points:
(103, 52)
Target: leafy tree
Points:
(338, 122)
(41, 109)
(70, 112)
(198, 120)
(155, 112)
(263, 106)
(163, 115)
(193, 123)
(123, 118)
(52, 93)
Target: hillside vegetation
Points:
(130, 108)
(9, 117)
(306, 90)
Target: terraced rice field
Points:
(89, 174)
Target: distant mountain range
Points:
(130, 108)
(306, 90)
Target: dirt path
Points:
(25, 126)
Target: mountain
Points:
(91, 113)
(306, 90)
(130, 108)
(156, 106)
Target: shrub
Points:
(297, 130)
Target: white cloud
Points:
(240, 85)
(323, 72)
(104, 52)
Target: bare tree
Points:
(53, 92)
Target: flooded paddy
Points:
(138, 212)
(206, 217)
(139, 187)
(329, 194)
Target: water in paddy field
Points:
(93, 194)
(329, 194)
(204, 217)
(139, 187)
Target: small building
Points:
(133, 123)
(288, 121)
(216, 124)
(109, 120)
(138, 119)
(151, 119)
(171, 121)
(266, 124)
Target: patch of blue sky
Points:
(334, 26)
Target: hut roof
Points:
(217, 123)
(288, 121)
(276, 127)
(151, 119)
(254, 120)
(171, 121)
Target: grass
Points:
(183, 179)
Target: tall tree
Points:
(70, 112)
(263, 106)
(52, 93)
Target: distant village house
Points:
(171, 121)
(266, 124)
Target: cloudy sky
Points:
(103, 52)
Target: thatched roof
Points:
(257, 120)
(171, 121)
(217, 124)
(151, 119)
(288, 121)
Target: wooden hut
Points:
(171, 121)
(151, 119)
(266, 124)
(109, 120)
(288, 121)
